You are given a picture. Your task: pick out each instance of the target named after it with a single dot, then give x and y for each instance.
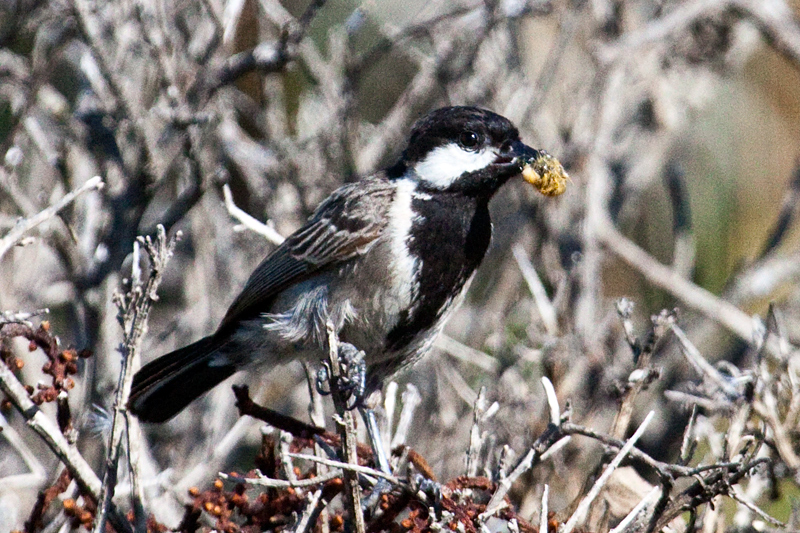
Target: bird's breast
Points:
(448, 239)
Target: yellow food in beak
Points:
(546, 174)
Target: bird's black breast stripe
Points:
(449, 238)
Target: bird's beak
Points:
(541, 169)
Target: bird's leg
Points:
(375, 440)
(376, 443)
(354, 370)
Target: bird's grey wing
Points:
(344, 226)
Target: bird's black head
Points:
(465, 149)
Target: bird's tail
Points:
(162, 388)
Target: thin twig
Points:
(37, 474)
(475, 437)
(642, 375)
(216, 460)
(552, 400)
(543, 512)
(22, 317)
(347, 431)
(263, 481)
(548, 439)
(660, 29)
(788, 213)
(583, 507)
(460, 385)
(25, 225)
(36, 420)
(351, 467)
(286, 439)
(687, 445)
(630, 517)
(546, 310)
(312, 508)
(736, 495)
(389, 403)
(249, 222)
(670, 280)
(768, 410)
(712, 406)
(708, 372)
(555, 448)
(467, 354)
(410, 400)
(266, 57)
(777, 23)
(684, 250)
(67, 453)
(134, 310)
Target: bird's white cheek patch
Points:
(447, 163)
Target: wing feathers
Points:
(343, 226)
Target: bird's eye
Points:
(505, 148)
(470, 140)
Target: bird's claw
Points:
(353, 380)
(323, 377)
(431, 489)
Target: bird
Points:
(386, 260)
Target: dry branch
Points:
(66, 452)
(25, 225)
(346, 427)
(580, 513)
(134, 310)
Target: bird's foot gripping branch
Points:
(352, 381)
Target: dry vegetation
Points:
(195, 113)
